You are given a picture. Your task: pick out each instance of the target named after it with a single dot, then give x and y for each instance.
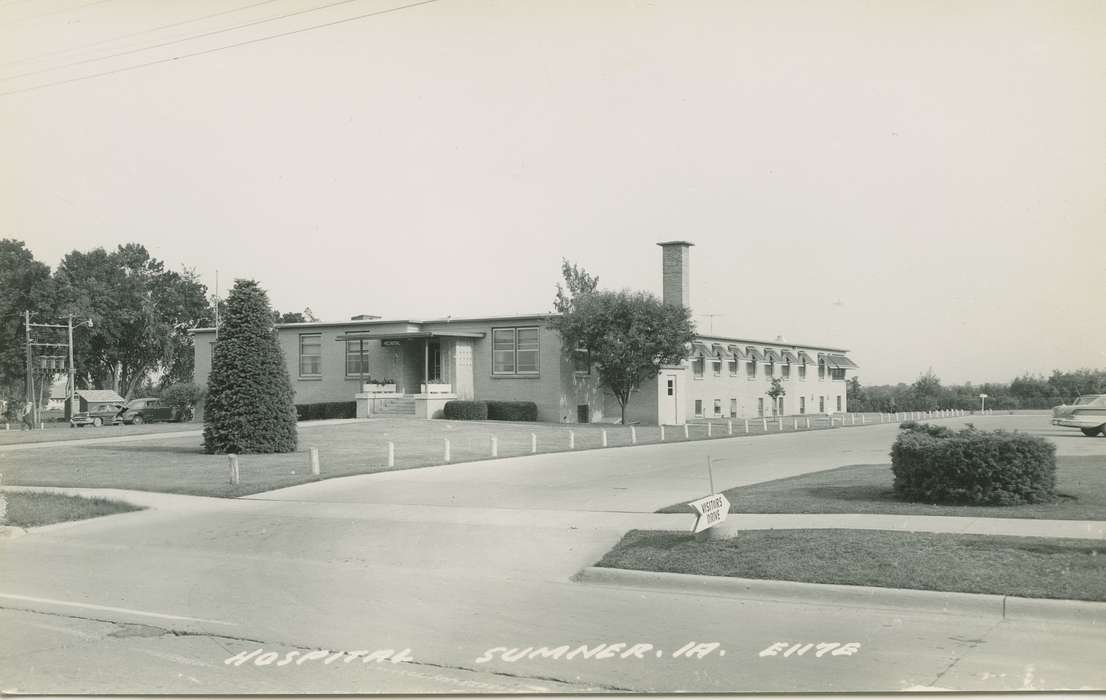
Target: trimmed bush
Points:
(249, 406)
(972, 467)
(182, 398)
(323, 411)
(465, 410)
(927, 429)
(513, 410)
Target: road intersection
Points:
(464, 574)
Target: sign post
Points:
(712, 511)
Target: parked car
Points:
(139, 411)
(1088, 413)
(104, 414)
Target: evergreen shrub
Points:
(972, 467)
(249, 407)
(465, 410)
(323, 411)
(512, 410)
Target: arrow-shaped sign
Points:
(712, 510)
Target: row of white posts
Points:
(313, 453)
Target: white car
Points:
(1088, 413)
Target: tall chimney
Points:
(676, 273)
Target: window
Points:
(821, 370)
(311, 355)
(770, 369)
(733, 368)
(697, 368)
(733, 408)
(581, 360)
(718, 406)
(837, 373)
(838, 404)
(751, 369)
(716, 365)
(802, 373)
(671, 386)
(515, 351)
(698, 408)
(357, 360)
(821, 404)
(802, 404)
(760, 406)
(786, 369)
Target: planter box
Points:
(380, 388)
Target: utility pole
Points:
(72, 398)
(30, 370)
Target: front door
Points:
(669, 398)
(435, 362)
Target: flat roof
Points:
(411, 321)
(408, 336)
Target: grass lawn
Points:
(1080, 483)
(27, 509)
(178, 464)
(1020, 566)
(62, 431)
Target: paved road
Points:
(453, 561)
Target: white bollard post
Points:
(41, 426)
(313, 460)
(533, 443)
(495, 446)
(780, 423)
(746, 426)
(808, 423)
(633, 435)
(710, 431)
(604, 436)
(232, 462)
(795, 424)
(687, 435)
(864, 419)
(662, 433)
(446, 456)
(571, 440)
(729, 427)
(853, 422)
(765, 422)
(391, 454)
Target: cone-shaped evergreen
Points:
(249, 405)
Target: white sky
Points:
(921, 182)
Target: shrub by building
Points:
(327, 410)
(972, 467)
(249, 406)
(465, 410)
(513, 410)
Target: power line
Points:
(132, 34)
(201, 35)
(375, 13)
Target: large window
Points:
(716, 366)
(751, 369)
(733, 368)
(581, 360)
(837, 373)
(311, 355)
(821, 370)
(515, 351)
(357, 361)
(698, 408)
(718, 407)
(770, 369)
(733, 408)
(786, 370)
(802, 373)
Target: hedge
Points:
(465, 410)
(972, 467)
(323, 411)
(513, 410)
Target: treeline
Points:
(140, 312)
(928, 394)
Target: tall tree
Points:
(141, 314)
(25, 285)
(249, 406)
(629, 335)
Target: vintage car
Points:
(105, 414)
(1088, 413)
(139, 411)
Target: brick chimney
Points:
(676, 272)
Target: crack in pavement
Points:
(972, 645)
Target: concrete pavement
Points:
(464, 563)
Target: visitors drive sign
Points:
(712, 510)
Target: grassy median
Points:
(30, 509)
(1032, 567)
(1080, 485)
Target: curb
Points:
(949, 603)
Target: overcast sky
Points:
(923, 183)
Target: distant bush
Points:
(927, 429)
(932, 464)
(327, 410)
(465, 410)
(512, 410)
(182, 398)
